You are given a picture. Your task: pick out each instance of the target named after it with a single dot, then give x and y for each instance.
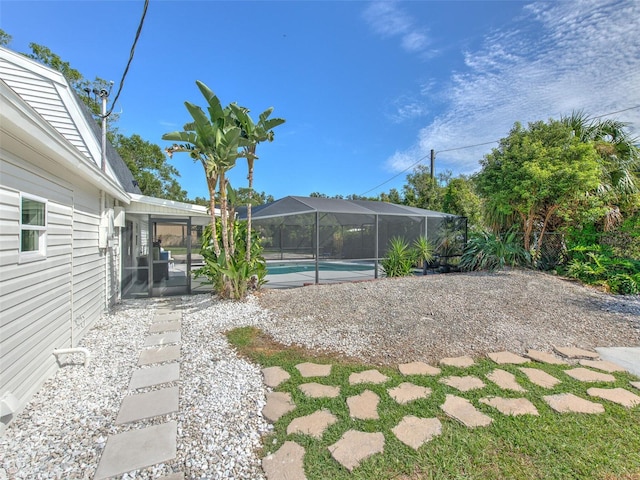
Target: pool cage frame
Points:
(305, 229)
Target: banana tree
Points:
(216, 141)
(253, 133)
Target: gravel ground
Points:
(428, 318)
(62, 432)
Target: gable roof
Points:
(294, 205)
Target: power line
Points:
(619, 111)
(476, 145)
(133, 49)
(395, 176)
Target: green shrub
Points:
(598, 265)
(399, 259)
(488, 251)
(239, 274)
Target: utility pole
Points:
(104, 95)
(433, 163)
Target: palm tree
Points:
(620, 158)
(254, 133)
(215, 142)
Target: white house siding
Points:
(88, 262)
(35, 296)
(44, 96)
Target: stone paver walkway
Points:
(142, 446)
(368, 376)
(570, 403)
(316, 390)
(364, 406)
(505, 380)
(355, 446)
(418, 368)
(314, 424)
(415, 431)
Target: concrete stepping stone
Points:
(511, 406)
(586, 375)
(147, 377)
(314, 424)
(308, 369)
(540, 378)
(408, 392)
(173, 476)
(317, 390)
(462, 410)
(159, 339)
(627, 357)
(368, 376)
(505, 380)
(464, 384)
(278, 404)
(274, 376)
(635, 384)
(604, 365)
(575, 352)
(415, 432)
(460, 362)
(147, 405)
(163, 312)
(616, 395)
(137, 448)
(171, 326)
(354, 447)
(418, 368)
(364, 406)
(502, 358)
(570, 403)
(287, 463)
(149, 356)
(166, 317)
(544, 357)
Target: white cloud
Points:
(387, 20)
(558, 57)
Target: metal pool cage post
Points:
(377, 255)
(317, 247)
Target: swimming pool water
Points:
(278, 269)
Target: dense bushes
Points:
(489, 251)
(597, 265)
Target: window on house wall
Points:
(33, 228)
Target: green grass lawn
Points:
(548, 446)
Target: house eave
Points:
(22, 124)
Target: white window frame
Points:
(41, 252)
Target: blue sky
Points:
(367, 88)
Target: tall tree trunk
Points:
(547, 216)
(211, 183)
(250, 159)
(224, 217)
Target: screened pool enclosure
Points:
(314, 240)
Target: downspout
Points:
(82, 350)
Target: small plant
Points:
(401, 257)
(233, 278)
(488, 251)
(423, 250)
